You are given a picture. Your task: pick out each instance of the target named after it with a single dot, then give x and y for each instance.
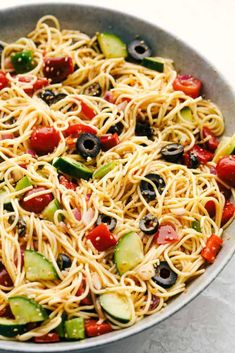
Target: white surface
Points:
(207, 325)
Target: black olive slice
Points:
(164, 276)
(109, 221)
(88, 145)
(149, 224)
(147, 189)
(63, 261)
(138, 50)
(143, 129)
(172, 152)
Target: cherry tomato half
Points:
(188, 84)
(37, 203)
(228, 212)
(44, 139)
(94, 328)
(225, 170)
(47, 338)
(3, 80)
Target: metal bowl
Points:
(18, 21)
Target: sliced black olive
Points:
(172, 152)
(93, 90)
(143, 129)
(164, 276)
(117, 128)
(109, 221)
(63, 261)
(88, 145)
(47, 96)
(193, 161)
(149, 224)
(138, 50)
(58, 97)
(147, 189)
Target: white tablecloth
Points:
(207, 325)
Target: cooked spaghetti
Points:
(93, 237)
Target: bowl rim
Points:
(107, 339)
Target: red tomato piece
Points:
(94, 328)
(80, 291)
(166, 234)
(6, 136)
(225, 170)
(40, 83)
(203, 155)
(213, 142)
(87, 112)
(101, 238)
(58, 69)
(67, 183)
(3, 80)
(77, 129)
(210, 207)
(109, 141)
(48, 338)
(6, 312)
(154, 303)
(213, 246)
(188, 84)
(228, 212)
(44, 140)
(109, 97)
(5, 279)
(37, 203)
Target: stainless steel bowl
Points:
(18, 21)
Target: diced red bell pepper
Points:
(58, 69)
(44, 139)
(210, 207)
(67, 183)
(86, 111)
(80, 291)
(213, 142)
(40, 83)
(3, 80)
(228, 212)
(109, 141)
(213, 246)
(203, 155)
(50, 337)
(77, 129)
(94, 328)
(166, 234)
(101, 238)
(5, 279)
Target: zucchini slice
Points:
(153, 64)
(128, 252)
(11, 328)
(73, 168)
(23, 183)
(37, 267)
(27, 310)
(105, 169)
(116, 305)
(50, 209)
(75, 328)
(225, 148)
(186, 114)
(111, 45)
